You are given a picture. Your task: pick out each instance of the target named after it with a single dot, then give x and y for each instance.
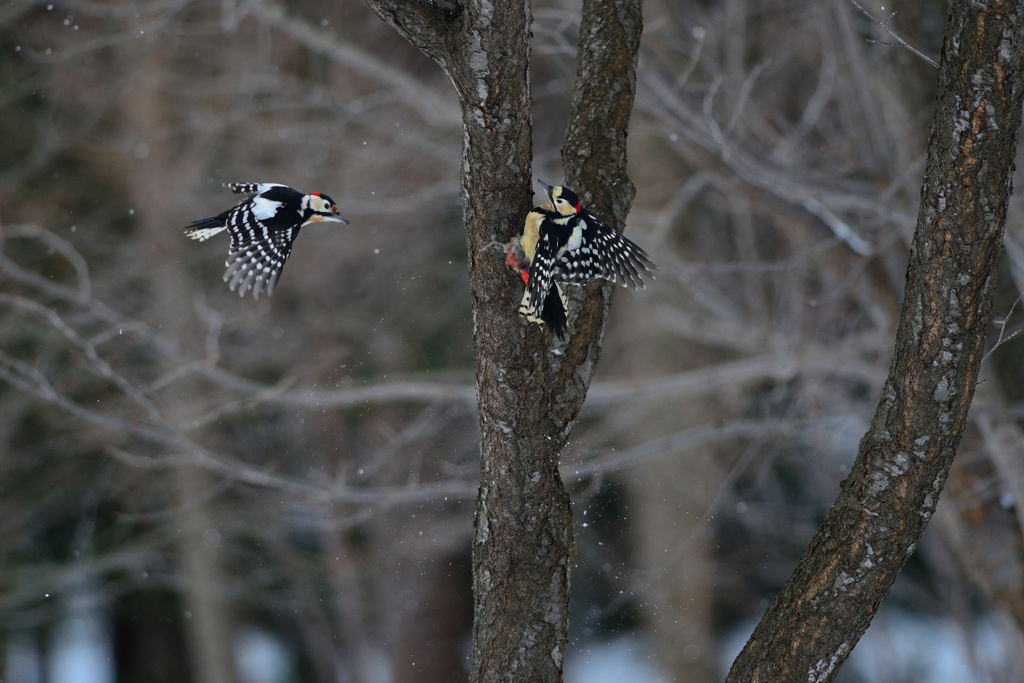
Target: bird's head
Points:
(563, 199)
(318, 208)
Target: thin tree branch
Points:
(425, 100)
(1000, 340)
(899, 41)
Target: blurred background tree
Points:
(198, 487)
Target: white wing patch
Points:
(263, 208)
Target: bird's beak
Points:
(547, 188)
(320, 218)
(338, 216)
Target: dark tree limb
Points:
(903, 460)
(527, 396)
(595, 157)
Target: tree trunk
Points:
(903, 460)
(527, 396)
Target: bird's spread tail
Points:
(204, 228)
(553, 312)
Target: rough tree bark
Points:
(527, 396)
(903, 460)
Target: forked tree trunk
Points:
(527, 396)
(903, 460)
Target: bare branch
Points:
(1001, 322)
(899, 41)
(425, 100)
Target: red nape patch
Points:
(526, 277)
(315, 194)
(578, 206)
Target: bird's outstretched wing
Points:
(258, 250)
(604, 253)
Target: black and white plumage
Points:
(519, 255)
(263, 228)
(572, 246)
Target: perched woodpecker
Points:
(519, 255)
(564, 243)
(263, 228)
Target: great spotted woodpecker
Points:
(263, 228)
(564, 243)
(519, 255)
